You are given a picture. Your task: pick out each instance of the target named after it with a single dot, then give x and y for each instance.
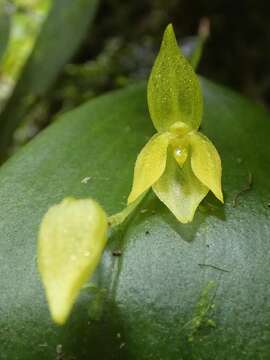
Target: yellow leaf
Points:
(150, 165)
(180, 190)
(71, 240)
(174, 92)
(205, 163)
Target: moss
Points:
(201, 316)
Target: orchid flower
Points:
(178, 162)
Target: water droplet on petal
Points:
(180, 155)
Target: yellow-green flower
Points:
(179, 163)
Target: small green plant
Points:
(179, 163)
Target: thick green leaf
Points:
(61, 35)
(150, 305)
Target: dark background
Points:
(237, 53)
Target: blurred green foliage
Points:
(4, 29)
(57, 41)
(26, 18)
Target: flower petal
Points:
(150, 164)
(174, 93)
(205, 163)
(71, 240)
(180, 190)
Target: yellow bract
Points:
(71, 239)
(180, 163)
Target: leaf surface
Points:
(152, 290)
